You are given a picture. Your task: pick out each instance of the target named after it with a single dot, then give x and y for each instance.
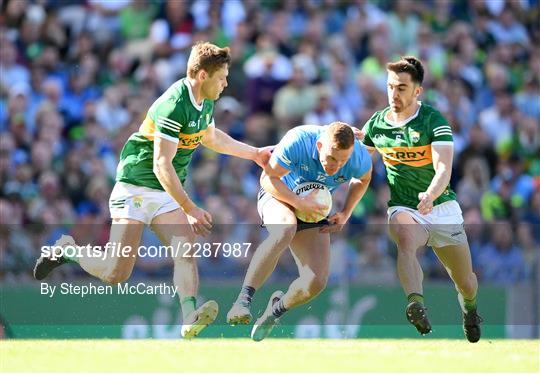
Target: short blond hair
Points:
(208, 57)
(341, 135)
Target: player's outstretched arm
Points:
(164, 151)
(220, 142)
(357, 189)
(442, 155)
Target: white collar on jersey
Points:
(406, 120)
(191, 97)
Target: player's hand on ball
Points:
(426, 203)
(308, 203)
(200, 221)
(263, 155)
(337, 221)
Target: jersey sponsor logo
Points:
(191, 141)
(411, 156)
(308, 187)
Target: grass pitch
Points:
(272, 355)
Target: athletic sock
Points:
(71, 255)
(415, 297)
(188, 306)
(467, 305)
(278, 309)
(246, 295)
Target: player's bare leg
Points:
(311, 252)
(120, 258)
(457, 261)
(409, 235)
(173, 229)
(280, 222)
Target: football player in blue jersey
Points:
(328, 155)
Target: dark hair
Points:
(208, 57)
(341, 135)
(410, 65)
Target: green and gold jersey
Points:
(174, 116)
(406, 152)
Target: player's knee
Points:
(407, 243)
(116, 276)
(282, 235)
(314, 285)
(469, 285)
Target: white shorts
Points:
(444, 225)
(139, 203)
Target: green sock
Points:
(71, 255)
(415, 297)
(188, 305)
(469, 304)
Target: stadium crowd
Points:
(77, 76)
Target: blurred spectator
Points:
(532, 216)
(528, 100)
(479, 146)
(502, 261)
(323, 113)
(294, 100)
(474, 184)
(375, 267)
(496, 120)
(403, 27)
(507, 29)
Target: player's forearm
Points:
(278, 189)
(357, 189)
(223, 143)
(440, 181)
(170, 182)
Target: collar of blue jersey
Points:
(315, 154)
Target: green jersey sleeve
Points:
(442, 132)
(367, 130)
(168, 119)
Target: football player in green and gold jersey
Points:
(415, 142)
(150, 177)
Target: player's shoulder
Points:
(432, 116)
(430, 112)
(360, 160)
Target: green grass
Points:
(272, 355)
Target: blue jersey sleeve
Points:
(287, 152)
(365, 161)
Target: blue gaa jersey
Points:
(298, 153)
